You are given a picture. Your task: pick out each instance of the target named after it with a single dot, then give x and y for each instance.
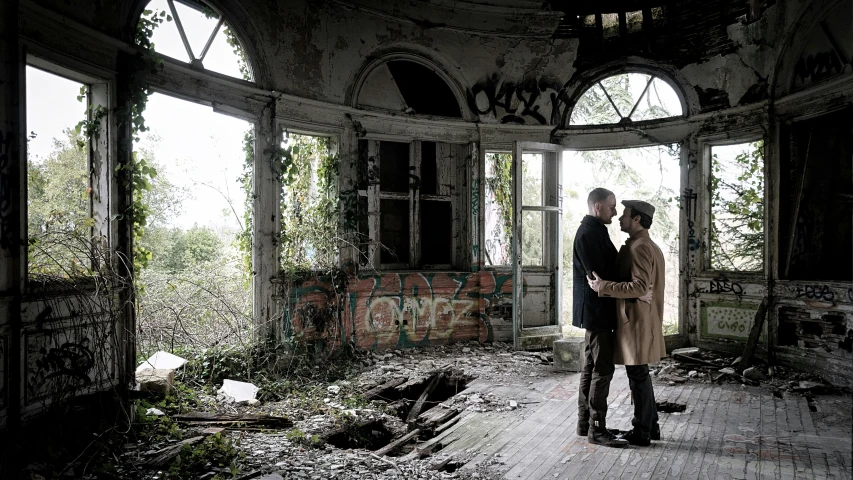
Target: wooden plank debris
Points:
(419, 405)
(376, 391)
(165, 455)
(233, 420)
(398, 443)
(752, 341)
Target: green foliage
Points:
(214, 451)
(737, 212)
(148, 22)
(298, 437)
(244, 238)
(233, 42)
(58, 210)
(309, 207)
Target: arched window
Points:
(403, 85)
(625, 98)
(197, 34)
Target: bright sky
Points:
(197, 148)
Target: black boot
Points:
(655, 433)
(634, 437)
(583, 424)
(599, 435)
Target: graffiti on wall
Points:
(530, 102)
(815, 292)
(401, 310)
(727, 320)
(63, 362)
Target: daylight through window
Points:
(627, 97)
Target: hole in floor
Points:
(370, 436)
(670, 407)
(451, 467)
(403, 400)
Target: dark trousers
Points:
(645, 409)
(596, 375)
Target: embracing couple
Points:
(618, 299)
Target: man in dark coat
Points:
(593, 251)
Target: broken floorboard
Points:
(727, 431)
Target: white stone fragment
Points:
(154, 411)
(241, 392)
(162, 361)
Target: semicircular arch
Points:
(371, 77)
(583, 82)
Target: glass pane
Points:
(737, 207)
(224, 57)
(393, 167)
(532, 236)
(660, 101)
(394, 231)
(58, 212)
(197, 25)
(436, 232)
(166, 38)
(625, 89)
(593, 108)
(648, 173)
(498, 209)
(531, 175)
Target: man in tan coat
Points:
(639, 325)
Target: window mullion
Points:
(414, 203)
(640, 99)
(373, 213)
(611, 100)
(181, 30)
(210, 39)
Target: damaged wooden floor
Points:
(727, 432)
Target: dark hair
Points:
(598, 195)
(645, 220)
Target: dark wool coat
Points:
(593, 252)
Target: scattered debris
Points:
(158, 381)
(155, 412)
(238, 392)
(753, 373)
(162, 361)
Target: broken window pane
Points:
(59, 214)
(309, 209)
(218, 48)
(394, 231)
(593, 108)
(429, 174)
(629, 93)
(660, 101)
(498, 208)
(436, 232)
(531, 174)
(737, 207)
(646, 173)
(532, 236)
(393, 167)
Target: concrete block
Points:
(568, 354)
(156, 380)
(241, 392)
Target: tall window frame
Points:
(707, 146)
(99, 102)
(447, 173)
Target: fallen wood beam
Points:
(441, 464)
(375, 391)
(696, 360)
(397, 443)
(230, 419)
(419, 405)
(436, 416)
(165, 455)
(417, 453)
(447, 424)
(752, 341)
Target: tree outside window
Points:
(737, 207)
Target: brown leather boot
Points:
(599, 435)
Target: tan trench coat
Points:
(639, 325)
